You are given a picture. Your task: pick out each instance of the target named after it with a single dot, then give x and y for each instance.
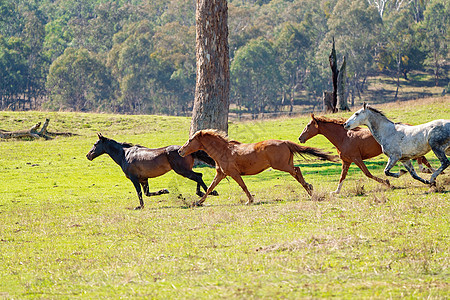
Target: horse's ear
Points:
(312, 116)
(100, 136)
(365, 105)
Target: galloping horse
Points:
(353, 146)
(140, 163)
(236, 159)
(402, 142)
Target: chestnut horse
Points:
(140, 163)
(236, 159)
(353, 146)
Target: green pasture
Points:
(67, 228)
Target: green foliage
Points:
(437, 35)
(299, 31)
(77, 80)
(256, 76)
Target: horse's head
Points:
(98, 148)
(358, 118)
(312, 129)
(192, 145)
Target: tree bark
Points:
(341, 95)
(334, 70)
(212, 90)
(328, 102)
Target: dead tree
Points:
(338, 99)
(341, 95)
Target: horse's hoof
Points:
(198, 204)
(387, 183)
(139, 207)
(249, 202)
(432, 184)
(214, 193)
(310, 189)
(163, 191)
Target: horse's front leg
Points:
(219, 176)
(360, 163)
(147, 192)
(241, 183)
(391, 163)
(408, 165)
(137, 186)
(345, 166)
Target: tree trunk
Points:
(212, 90)
(341, 95)
(334, 70)
(328, 102)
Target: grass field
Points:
(67, 228)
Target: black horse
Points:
(140, 163)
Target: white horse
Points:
(401, 142)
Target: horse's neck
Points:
(116, 152)
(381, 128)
(216, 147)
(335, 133)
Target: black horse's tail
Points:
(204, 157)
(303, 150)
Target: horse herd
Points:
(400, 142)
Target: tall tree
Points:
(256, 76)
(212, 90)
(437, 34)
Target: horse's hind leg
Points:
(423, 161)
(408, 165)
(444, 164)
(197, 177)
(298, 175)
(359, 162)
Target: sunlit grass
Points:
(67, 229)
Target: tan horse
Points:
(236, 159)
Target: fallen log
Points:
(33, 132)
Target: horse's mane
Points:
(337, 121)
(127, 145)
(376, 111)
(216, 133)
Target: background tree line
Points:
(138, 56)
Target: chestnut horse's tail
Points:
(204, 157)
(303, 150)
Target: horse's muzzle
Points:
(181, 152)
(346, 126)
(89, 156)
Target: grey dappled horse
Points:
(402, 142)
